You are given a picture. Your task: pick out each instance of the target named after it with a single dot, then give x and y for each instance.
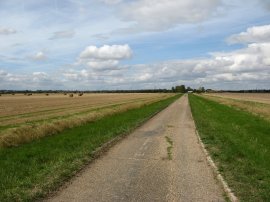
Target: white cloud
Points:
(255, 34)
(156, 15)
(105, 57)
(39, 56)
(2, 73)
(39, 76)
(111, 1)
(63, 34)
(99, 64)
(7, 31)
(106, 52)
(248, 66)
(35, 80)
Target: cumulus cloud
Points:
(97, 64)
(39, 56)
(114, 52)
(40, 76)
(255, 34)
(156, 15)
(35, 80)
(8, 77)
(248, 66)
(105, 57)
(7, 31)
(63, 34)
(111, 1)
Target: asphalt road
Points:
(139, 169)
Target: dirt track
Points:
(138, 168)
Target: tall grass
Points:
(32, 170)
(239, 143)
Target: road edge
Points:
(97, 154)
(212, 164)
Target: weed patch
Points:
(170, 147)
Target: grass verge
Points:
(32, 170)
(256, 108)
(238, 142)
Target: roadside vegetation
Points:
(238, 142)
(256, 108)
(33, 170)
(263, 97)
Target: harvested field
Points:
(259, 108)
(31, 171)
(256, 97)
(42, 115)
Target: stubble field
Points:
(255, 103)
(255, 97)
(31, 171)
(24, 118)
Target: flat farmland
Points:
(255, 103)
(46, 114)
(256, 97)
(32, 171)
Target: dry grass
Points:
(256, 97)
(249, 102)
(21, 109)
(40, 116)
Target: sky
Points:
(134, 44)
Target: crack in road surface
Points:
(135, 169)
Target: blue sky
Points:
(134, 44)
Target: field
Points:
(238, 141)
(31, 171)
(255, 97)
(24, 118)
(255, 103)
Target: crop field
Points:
(33, 170)
(255, 103)
(256, 97)
(236, 133)
(24, 118)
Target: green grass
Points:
(239, 142)
(31, 171)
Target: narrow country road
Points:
(139, 168)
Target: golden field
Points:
(256, 97)
(25, 118)
(255, 103)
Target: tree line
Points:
(174, 89)
(183, 89)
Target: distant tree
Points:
(180, 89)
(201, 89)
(173, 89)
(189, 89)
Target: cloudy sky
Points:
(134, 44)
